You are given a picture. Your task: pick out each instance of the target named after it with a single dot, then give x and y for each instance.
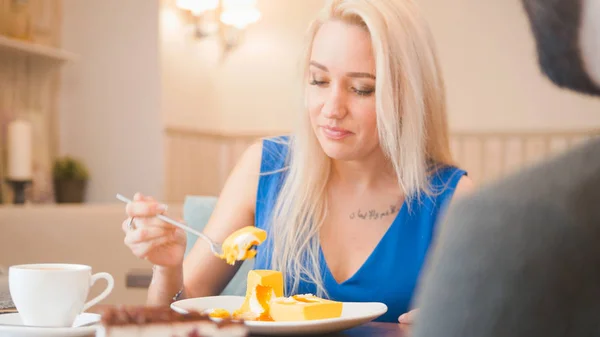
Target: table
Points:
(140, 278)
(373, 329)
(366, 330)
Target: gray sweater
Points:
(520, 257)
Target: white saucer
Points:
(353, 314)
(12, 326)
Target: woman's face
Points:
(341, 91)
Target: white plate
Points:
(12, 326)
(353, 314)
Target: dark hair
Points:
(555, 25)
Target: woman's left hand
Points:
(409, 317)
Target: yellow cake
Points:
(218, 313)
(262, 287)
(264, 301)
(238, 245)
(304, 308)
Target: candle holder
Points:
(18, 187)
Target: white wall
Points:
(489, 59)
(486, 49)
(253, 88)
(110, 105)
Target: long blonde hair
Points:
(411, 122)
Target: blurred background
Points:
(99, 97)
(162, 96)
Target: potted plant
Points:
(70, 177)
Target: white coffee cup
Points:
(52, 295)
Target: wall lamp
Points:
(226, 19)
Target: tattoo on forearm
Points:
(373, 214)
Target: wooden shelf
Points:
(11, 45)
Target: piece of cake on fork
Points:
(140, 321)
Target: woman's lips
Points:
(335, 133)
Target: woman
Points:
(351, 200)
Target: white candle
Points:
(19, 145)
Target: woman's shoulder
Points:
(279, 143)
(275, 152)
(446, 183)
(446, 178)
(444, 171)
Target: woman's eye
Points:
(317, 82)
(363, 92)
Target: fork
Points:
(216, 248)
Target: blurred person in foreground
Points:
(522, 256)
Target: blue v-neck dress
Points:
(390, 273)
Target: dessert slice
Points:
(238, 245)
(262, 287)
(120, 321)
(217, 313)
(304, 308)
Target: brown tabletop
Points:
(372, 329)
(377, 329)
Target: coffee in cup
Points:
(52, 295)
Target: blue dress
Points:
(390, 273)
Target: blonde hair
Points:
(411, 122)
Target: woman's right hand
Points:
(152, 239)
